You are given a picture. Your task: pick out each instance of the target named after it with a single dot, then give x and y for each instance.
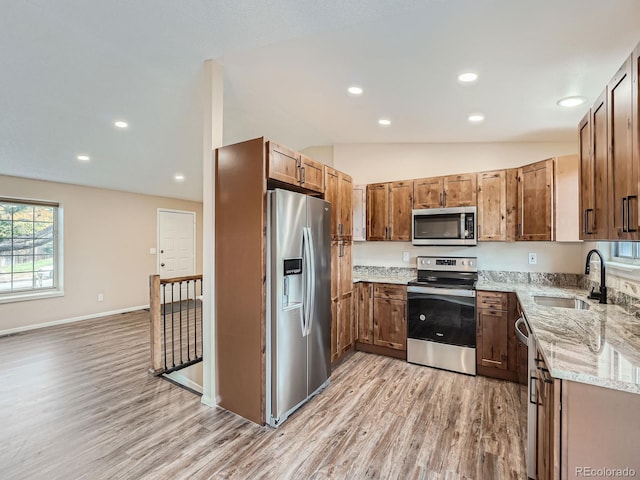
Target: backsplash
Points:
(537, 278)
(368, 270)
(621, 290)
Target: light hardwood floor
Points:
(76, 402)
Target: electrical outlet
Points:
(152, 251)
(533, 258)
(405, 256)
(100, 297)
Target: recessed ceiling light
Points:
(476, 118)
(84, 158)
(355, 90)
(385, 122)
(121, 124)
(178, 177)
(571, 101)
(467, 77)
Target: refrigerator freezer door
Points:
(319, 338)
(288, 344)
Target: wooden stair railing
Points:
(175, 306)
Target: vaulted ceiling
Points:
(70, 68)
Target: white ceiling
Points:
(71, 67)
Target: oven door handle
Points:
(445, 292)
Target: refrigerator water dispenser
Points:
(292, 283)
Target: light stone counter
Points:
(599, 346)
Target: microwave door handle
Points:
(462, 235)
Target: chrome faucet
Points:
(602, 295)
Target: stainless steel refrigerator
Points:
(298, 301)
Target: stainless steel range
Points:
(441, 314)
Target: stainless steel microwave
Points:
(444, 226)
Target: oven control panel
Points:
(450, 264)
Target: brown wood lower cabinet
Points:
(381, 318)
(497, 353)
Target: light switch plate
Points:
(533, 258)
(152, 251)
(405, 256)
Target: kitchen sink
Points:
(563, 302)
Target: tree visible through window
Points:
(28, 233)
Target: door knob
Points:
(162, 264)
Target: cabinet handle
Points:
(444, 202)
(341, 250)
(587, 224)
(387, 235)
(625, 202)
(302, 175)
(518, 234)
(629, 229)
(533, 400)
(441, 200)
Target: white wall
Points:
(107, 236)
(508, 256)
(370, 163)
(322, 154)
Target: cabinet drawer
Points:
(493, 300)
(387, 290)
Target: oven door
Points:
(442, 315)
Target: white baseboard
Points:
(71, 320)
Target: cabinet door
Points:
(460, 190)
(345, 324)
(359, 212)
(635, 122)
(598, 223)
(547, 454)
(535, 210)
(390, 323)
(345, 219)
(587, 181)
(345, 267)
(400, 204)
(492, 205)
(623, 186)
(492, 338)
(428, 192)
(332, 195)
(284, 164)
(334, 329)
(377, 211)
(364, 313)
(311, 174)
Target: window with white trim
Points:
(29, 248)
(625, 252)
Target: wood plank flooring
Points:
(76, 403)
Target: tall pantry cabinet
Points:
(339, 192)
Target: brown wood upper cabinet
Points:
(535, 201)
(339, 192)
(497, 205)
(623, 171)
(389, 211)
(592, 135)
(449, 191)
(288, 166)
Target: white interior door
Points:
(176, 244)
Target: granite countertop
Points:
(599, 346)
